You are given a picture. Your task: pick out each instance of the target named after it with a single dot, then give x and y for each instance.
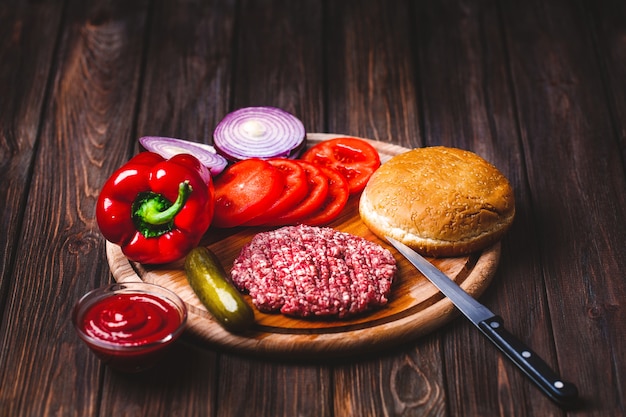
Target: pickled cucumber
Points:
(212, 286)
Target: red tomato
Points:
(353, 158)
(294, 191)
(336, 199)
(318, 189)
(244, 190)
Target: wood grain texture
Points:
(472, 109)
(365, 37)
(184, 92)
(94, 82)
(415, 307)
(298, 390)
(607, 24)
(566, 122)
(406, 383)
(373, 91)
(280, 58)
(25, 77)
(188, 73)
(182, 384)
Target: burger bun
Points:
(440, 201)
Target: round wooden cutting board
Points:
(415, 306)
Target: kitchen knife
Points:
(563, 393)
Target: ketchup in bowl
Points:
(129, 325)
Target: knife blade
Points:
(491, 325)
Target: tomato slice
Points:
(295, 190)
(244, 190)
(353, 158)
(317, 191)
(336, 199)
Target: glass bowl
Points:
(130, 325)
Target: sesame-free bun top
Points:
(440, 201)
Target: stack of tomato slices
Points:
(311, 190)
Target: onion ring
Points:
(168, 147)
(259, 132)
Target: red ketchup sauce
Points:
(130, 330)
(131, 319)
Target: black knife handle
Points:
(563, 393)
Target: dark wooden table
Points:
(536, 87)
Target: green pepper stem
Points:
(151, 210)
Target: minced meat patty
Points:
(306, 271)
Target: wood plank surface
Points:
(279, 60)
(574, 232)
(21, 29)
(537, 88)
(59, 251)
(474, 109)
(370, 63)
(184, 92)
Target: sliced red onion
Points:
(259, 132)
(168, 147)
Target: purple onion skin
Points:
(217, 164)
(218, 168)
(291, 154)
(282, 143)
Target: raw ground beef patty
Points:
(306, 271)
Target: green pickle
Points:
(210, 283)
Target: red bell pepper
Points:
(157, 210)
